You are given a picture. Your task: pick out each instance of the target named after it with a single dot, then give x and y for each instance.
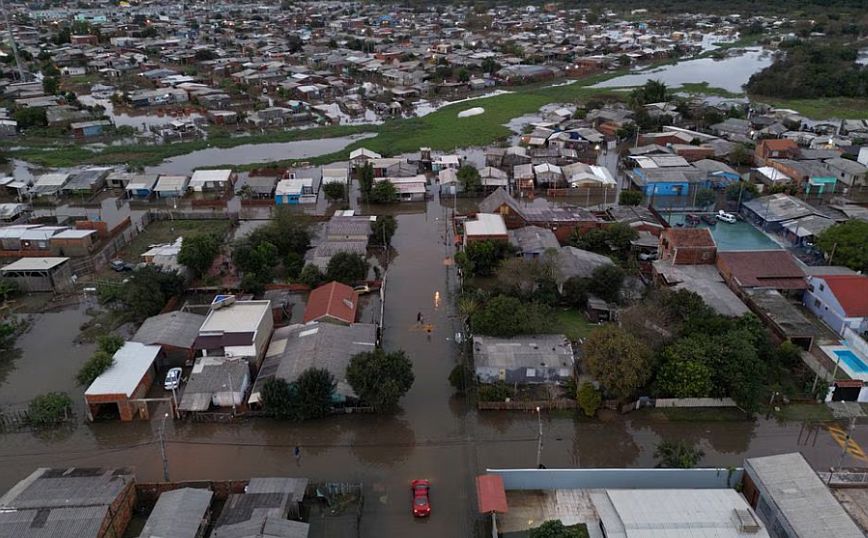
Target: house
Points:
(733, 129)
(813, 175)
(770, 212)
(410, 188)
(533, 241)
(703, 280)
(544, 358)
(850, 173)
(804, 231)
(640, 218)
(8, 128)
(333, 302)
(335, 175)
(668, 181)
(212, 180)
(486, 227)
(175, 332)
(216, 381)
(261, 187)
(89, 129)
(841, 301)
(269, 507)
(492, 178)
(40, 274)
(295, 348)
(73, 242)
(236, 328)
(775, 148)
(359, 157)
(561, 220)
(86, 182)
(687, 246)
(141, 186)
(171, 186)
(349, 228)
(179, 513)
(770, 176)
(763, 269)
(792, 500)
(12, 213)
(49, 184)
(548, 175)
(443, 162)
(781, 316)
(294, 191)
(77, 502)
(164, 256)
(119, 389)
(575, 262)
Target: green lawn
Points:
(703, 88)
(823, 108)
(166, 231)
(810, 412)
(573, 324)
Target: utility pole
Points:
(832, 254)
(163, 448)
(844, 448)
(21, 74)
(539, 444)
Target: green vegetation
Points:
(334, 191)
(481, 258)
(284, 239)
(846, 244)
(101, 360)
(383, 192)
(823, 108)
(380, 379)
(166, 231)
(677, 455)
(556, 529)
(347, 267)
(633, 198)
(509, 316)
(589, 399)
(198, 252)
(309, 397)
(573, 324)
(618, 360)
(382, 230)
(702, 88)
(468, 175)
(50, 408)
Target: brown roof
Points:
(333, 300)
(689, 237)
(776, 269)
(778, 144)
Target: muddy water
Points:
(435, 435)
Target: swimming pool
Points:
(736, 236)
(855, 366)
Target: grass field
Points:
(823, 108)
(702, 88)
(573, 324)
(166, 231)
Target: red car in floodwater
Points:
(421, 501)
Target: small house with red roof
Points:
(333, 303)
(775, 148)
(687, 246)
(841, 301)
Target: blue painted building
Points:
(294, 191)
(668, 181)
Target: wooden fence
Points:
(530, 405)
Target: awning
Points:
(491, 494)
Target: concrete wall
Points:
(546, 479)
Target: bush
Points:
(508, 316)
(310, 276)
(49, 408)
(380, 379)
(278, 399)
(630, 198)
(589, 399)
(94, 367)
(496, 392)
(677, 455)
(347, 267)
(460, 377)
(334, 191)
(383, 192)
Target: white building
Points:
(236, 328)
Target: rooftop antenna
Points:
(21, 74)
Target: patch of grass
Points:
(573, 324)
(166, 231)
(822, 108)
(810, 412)
(703, 88)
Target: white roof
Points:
(74, 234)
(676, 513)
(34, 264)
(56, 179)
(485, 224)
(238, 317)
(448, 159)
(341, 173)
(292, 186)
(447, 175)
(547, 167)
(138, 183)
(131, 363)
(364, 152)
(171, 183)
(210, 176)
(773, 173)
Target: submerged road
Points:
(435, 436)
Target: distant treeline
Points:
(811, 69)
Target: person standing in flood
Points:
(296, 452)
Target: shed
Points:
(40, 274)
(217, 381)
(533, 241)
(782, 317)
(180, 513)
(129, 378)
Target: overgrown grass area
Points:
(823, 108)
(166, 231)
(702, 88)
(809, 412)
(573, 324)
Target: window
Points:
(822, 287)
(817, 303)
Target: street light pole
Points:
(539, 444)
(163, 454)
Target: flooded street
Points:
(436, 435)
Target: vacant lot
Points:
(166, 231)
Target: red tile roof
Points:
(775, 269)
(490, 494)
(689, 237)
(851, 292)
(778, 144)
(333, 300)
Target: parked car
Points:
(726, 217)
(648, 256)
(173, 379)
(120, 266)
(421, 500)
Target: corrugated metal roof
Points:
(178, 514)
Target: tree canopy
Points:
(383, 229)
(347, 267)
(481, 258)
(615, 358)
(380, 379)
(468, 175)
(198, 253)
(383, 192)
(847, 244)
(509, 316)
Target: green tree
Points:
(629, 197)
(50, 85)
(481, 258)
(315, 389)
(463, 75)
(294, 263)
(677, 455)
(279, 399)
(334, 191)
(366, 179)
(49, 408)
(684, 379)
(705, 197)
(384, 192)
(575, 292)
(30, 117)
(311, 276)
(846, 244)
(468, 175)
(741, 190)
(556, 529)
(382, 230)
(615, 358)
(147, 291)
(95, 366)
(740, 155)
(509, 316)
(589, 399)
(380, 379)
(198, 253)
(606, 282)
(109, 343)
(347, 267)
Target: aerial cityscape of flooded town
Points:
(288, 269)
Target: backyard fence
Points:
(529, 405)
(694, 402)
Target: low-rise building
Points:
(236, 328)
(333, 303)
(127, 380)
(221, 382)
(40, 274)
(841, 301)
(687, 246)
(486, 227)
(269, 507)
(762, 269)
(212, 180)
(543, 358)
(175, 332)
(179, 513)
